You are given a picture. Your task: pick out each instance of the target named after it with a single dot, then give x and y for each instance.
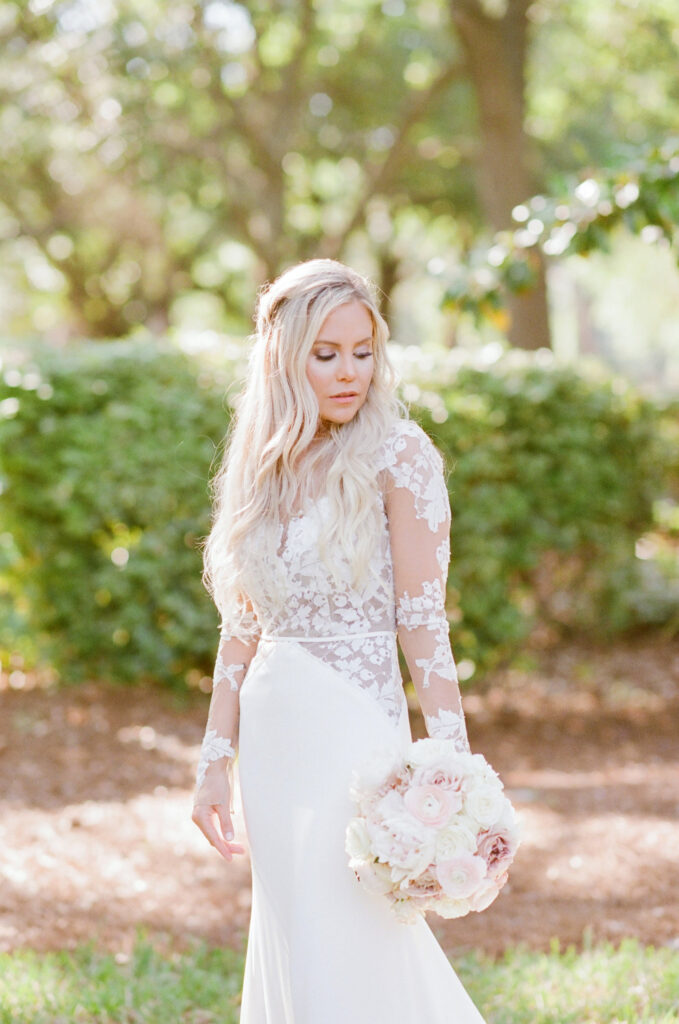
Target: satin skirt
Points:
(320, 949)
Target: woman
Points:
(330, 536)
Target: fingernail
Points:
(229, 835)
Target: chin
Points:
(340, 418)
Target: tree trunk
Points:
(495, 49)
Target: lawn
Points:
(630, 984)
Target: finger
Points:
(226, 828)
(225, 821)
(207, 819)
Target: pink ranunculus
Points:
(497, 847)
(461, 876)
(432, 805)
(443, 777)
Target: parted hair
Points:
(276, 423)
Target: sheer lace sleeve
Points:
(418, 511)
(218, 750)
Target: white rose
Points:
(480, 771)
(484, 804)
(455, 838)
(431, 753)
(446, 906)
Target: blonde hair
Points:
(276, 420)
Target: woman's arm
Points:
(418, 511)
(212, 803)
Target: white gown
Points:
(309, 696)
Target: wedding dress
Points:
(313, 692)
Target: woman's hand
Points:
(214, 821)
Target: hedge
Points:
(106, 453)
(106, 450)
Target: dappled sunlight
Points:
(96, 838)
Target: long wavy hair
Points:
(276, 420)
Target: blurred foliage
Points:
(644, 199)
(555, 475)
(107, 448)
(106, 452)
(159, 160)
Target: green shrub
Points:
(554, 476)
(106, 452)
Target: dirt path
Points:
(95, 793)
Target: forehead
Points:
(349, 322)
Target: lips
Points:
(345, 394)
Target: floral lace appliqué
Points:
(226, 673)
(443, 554)
(213, 748)
(441, 663)
(421, 472)
(449, 725)
(423, 610)
(368, 662)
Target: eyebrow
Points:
(337, 344)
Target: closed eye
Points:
(325, 358)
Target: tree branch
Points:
(386, 171)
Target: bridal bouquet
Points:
(434, 830)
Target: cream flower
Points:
(376, 878)
(485, 804)
(457, 837)
(403, 843)
(448, 907)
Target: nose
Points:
(345, 368)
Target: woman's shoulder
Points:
(406, 443)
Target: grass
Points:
(601, 985)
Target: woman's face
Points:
(340, 364)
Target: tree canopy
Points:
(156, 153)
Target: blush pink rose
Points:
(462, 875)
(424, 887)
(497, 847)
(432, 805)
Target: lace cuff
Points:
(449, 725)
(213, 748)
(218, 750)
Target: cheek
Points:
(315, 376)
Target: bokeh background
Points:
(507, 172)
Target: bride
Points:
(329, 540)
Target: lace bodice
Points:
(353, 627)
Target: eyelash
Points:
(326, 359)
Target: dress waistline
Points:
(328, 638)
